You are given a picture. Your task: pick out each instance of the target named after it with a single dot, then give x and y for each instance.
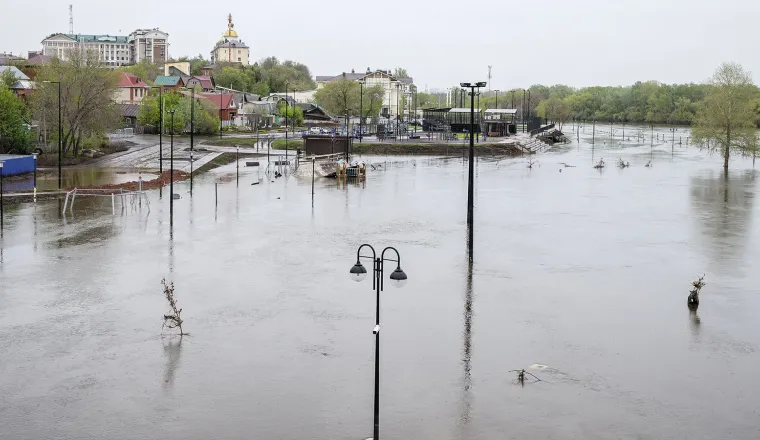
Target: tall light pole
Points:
(286, 120)
(220, 114)
(171, 171)
(497, 98)
(192, 133)
(398, 278)
(361, 109)
(1, 197)
(160, 128)
(60, 134)
(471, 178)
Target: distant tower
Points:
(71, 19)
(489, 77)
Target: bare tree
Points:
(87, 98)
(173, 319)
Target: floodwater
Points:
(581, 271)
(47, 180)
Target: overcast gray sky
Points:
(574, 42)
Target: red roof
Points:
(129, 80)
(205, 81)
(225, 99)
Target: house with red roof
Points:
(224, 103)
(205, 83)
(132, 89)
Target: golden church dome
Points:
(230, 28)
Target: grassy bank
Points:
(279, 144)
(391, 148)
(232, 141)
(221, 160)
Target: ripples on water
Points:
(584, 272)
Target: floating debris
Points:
(521, 376)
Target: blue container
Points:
(14, 164)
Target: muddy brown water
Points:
(582, 271)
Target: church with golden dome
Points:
(230, 48)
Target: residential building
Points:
(206, 83)
(148, 44)
(299, 97)
(170, 83)
(7, 59)
(22, 85)
(177, 68)
(224, 103)
(132, 89)
(397, 89)
(230, 48)
(112, 50)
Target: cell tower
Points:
(489, 77)
(71, 19)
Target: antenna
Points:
(71, 19)
(489, 77)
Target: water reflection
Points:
(694, 322)
(723, 204)
(464, 418)
(172, 351)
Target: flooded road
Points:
(579, 275)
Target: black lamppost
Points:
(471, 179)
(398, 278)
(361, 109)
(60, 134)
(160, 127)
(220, 114)
(192, 132)
(286, 120)
(1, 197)
(171, 171)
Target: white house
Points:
(395, 88)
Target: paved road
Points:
(146, 151)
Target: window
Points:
(239, 60)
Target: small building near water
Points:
(455, 120)
(15, 164)
(319, 144)
(500, 121)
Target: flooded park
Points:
(580, 276)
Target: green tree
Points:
(726, 121)
(400, 72)
(8, 78)
(294, 113)
(234, 78)
(372, 101)
(15, 136)
(145, 70)
(87, 92)
(339, 97)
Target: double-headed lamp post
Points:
(471, 179)
(398, 279)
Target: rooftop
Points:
(130, 80)
(167, 80)
(17, 73)
(88, 38)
